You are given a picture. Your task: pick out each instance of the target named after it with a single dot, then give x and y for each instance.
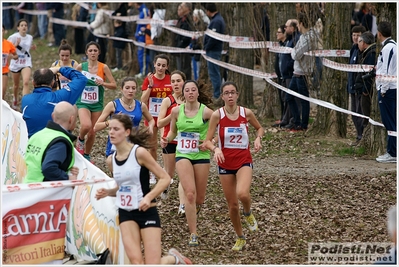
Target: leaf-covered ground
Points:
(304, 190)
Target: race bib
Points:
(64, 83)
(22, 61)
(188, 142)
(126, 197)
(5, 59)
(235, 137)
(155, 106)
(90, 95)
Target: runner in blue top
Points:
(126, 105)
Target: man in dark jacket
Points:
(58, 29)
(363, 82)
(185, 22)
(354, 97)
(38, 106)
(213, 47)
(287, 67)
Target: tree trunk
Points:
(334, 82)
(235, 15)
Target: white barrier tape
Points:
(228, 38)
(268, 77)
(254, 45)
(191, 34)
(346, 67)
(29, 12)
(329, 53)
(250, 72)
(322, 103)
(36, 186)
(392, 133)
(65, 22)
(357, 68)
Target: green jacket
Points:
(37, 147)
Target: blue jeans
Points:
(299, 85)
(214, 72)
(387, 106)
(140, 59)
(196, 68)
(42, 21)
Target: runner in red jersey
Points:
(156, 86)
(233, 157)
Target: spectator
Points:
(189, 123)
(50, 155)
(58, 29)
(9, 51)
(80, 14)
(392, 230)
(91, 18)
(369, 20)
(148, 52)
(201, 22)
(101, 26)
(140, 37)
(386, 65)
(126, 105)
(364, 86)
(38, 106)
(119, 46)
(139, 220)
(282, 40)
(22, 66)
(303, 68)
(130, 31)
(185, 22)
(213, 49)
(233, 158)
(287, 69)
(119, 31)
(91, 102)
(65, 60)
(42, 21)
(8, 16)
(358, 14)
(355, 97)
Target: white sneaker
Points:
(180, 259)
(138, 76)
(153, 180)
(181, 211)
(164, 194)
(115, 69)
(386, 158)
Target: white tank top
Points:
(132, 179)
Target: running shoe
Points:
(386, 158)
(180, 259)
(165, 193)
(193, 240)
(239, 245)
(80, 146)
(251, 223)
(181, 211)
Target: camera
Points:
(369, 75)
(57, 83)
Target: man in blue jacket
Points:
(38, 106)
(213, 47)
